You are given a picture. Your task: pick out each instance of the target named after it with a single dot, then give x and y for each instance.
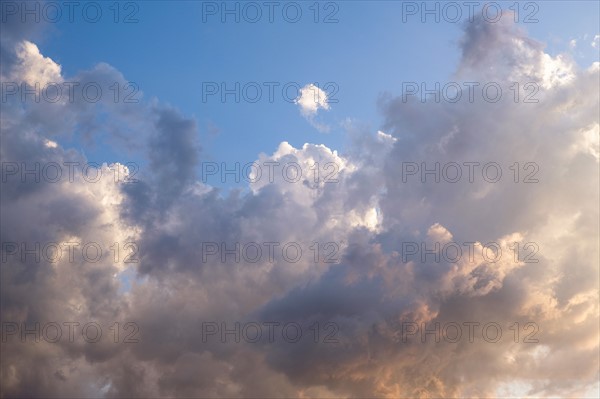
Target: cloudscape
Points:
(328, 199)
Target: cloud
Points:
(33, 68)
(371, 292)
(573, 43)
(310, 100)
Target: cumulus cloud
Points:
(33, 68)
(371, 292)
(311, 99)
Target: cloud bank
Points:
(374, 294)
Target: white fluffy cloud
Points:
(310, 100)
(33, 68)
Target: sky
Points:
(291, 199)
(367, 52)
